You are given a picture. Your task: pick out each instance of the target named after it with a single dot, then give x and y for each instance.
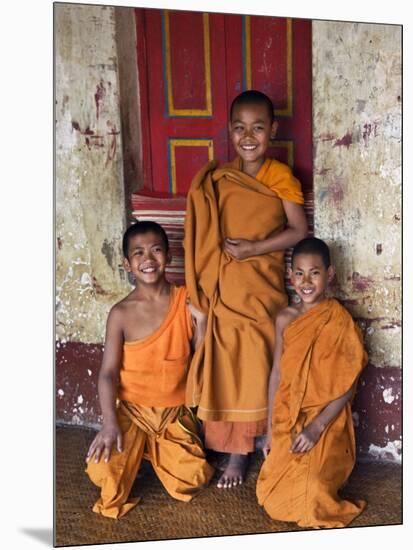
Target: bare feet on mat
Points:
(234, 473)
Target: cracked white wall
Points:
(357, 196)
(89, 182)
(357, 171)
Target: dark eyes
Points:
(255, 129)
(158, 250)
(300, 273)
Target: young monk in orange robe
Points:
(240, 218)
(318, 358)
(142, 383)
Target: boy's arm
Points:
(306, 440)
(295, 230)
(274, 380)
(199, 322)
(107, 388)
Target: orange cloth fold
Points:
(165, 436)
(279, 178)
(154, 369)
(233, 437)
(323, 356)
(228, 377)
(154, 423)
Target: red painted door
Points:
(191, 65)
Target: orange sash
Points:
(154, 369)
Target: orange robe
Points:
(228, 382)
(154, 423)
(322, 358)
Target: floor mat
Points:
(212, 513)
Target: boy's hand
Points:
(199, 316)
(104, 441)
(239, 249)
(306, 440)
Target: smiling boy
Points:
(142, 382)
(240, 218)
(310, 448)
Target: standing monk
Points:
(240, 219)
(142, 383)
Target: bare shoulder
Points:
(120, 309)
(285, 317)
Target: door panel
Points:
(186, 106)
(192, 65)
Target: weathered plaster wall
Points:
(129, 100)
(357, 191)
(90, 210)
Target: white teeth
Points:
(306, 291)
(249, 147)
(148, 270)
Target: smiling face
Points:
(147, 258)
(310, 278)
(250, 131)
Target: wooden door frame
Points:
(129, 101)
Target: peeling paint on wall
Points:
(357, 196)
(388, 395)
(392, 451)
(77, 367)
(378, 417)
(89, 180)
(346, 140)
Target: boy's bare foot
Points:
(234, 473)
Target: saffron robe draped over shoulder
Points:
(154, 369)
(322, 358)
(228, 377)
(154, 423)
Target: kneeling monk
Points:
(318, 358)
(142, 383)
